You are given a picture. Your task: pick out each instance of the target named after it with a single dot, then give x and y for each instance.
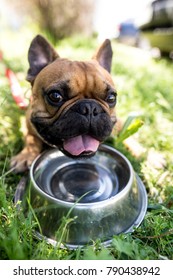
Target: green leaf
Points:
(103, 254)
(123, 246)
(131, 126)
(128, 121)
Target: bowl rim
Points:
(78, 204)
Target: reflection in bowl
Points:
(101, 196)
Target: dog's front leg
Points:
(22, 161)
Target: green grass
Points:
(144, 86)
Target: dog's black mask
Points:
(85, 120)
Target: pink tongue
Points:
(82, 143)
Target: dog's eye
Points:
(55, 97)
(111, 99)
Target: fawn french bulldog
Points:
(72, 103)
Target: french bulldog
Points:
(72, 106)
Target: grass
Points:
(144, 86)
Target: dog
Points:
(72, 106)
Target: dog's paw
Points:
(22, 161)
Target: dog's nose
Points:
(89, 108)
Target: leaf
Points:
(91, 254)
(130, 127)
(128, 121)
(123, 247)
(104, 254)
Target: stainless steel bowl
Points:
(78, 201)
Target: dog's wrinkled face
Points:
(73, 102)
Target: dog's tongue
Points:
(79, 144)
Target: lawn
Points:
(144, 86)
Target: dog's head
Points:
(73, 102)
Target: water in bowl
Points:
(85, 181)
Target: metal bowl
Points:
(78, 201)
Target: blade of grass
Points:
(131, 126)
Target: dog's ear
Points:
(104, 55)
(40, 54)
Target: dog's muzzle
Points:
(79, 130)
